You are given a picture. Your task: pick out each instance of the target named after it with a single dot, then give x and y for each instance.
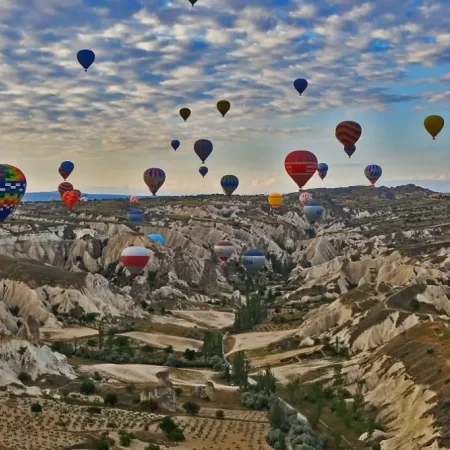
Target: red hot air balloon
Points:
(78, 192)
(70, 198)
(134, 259)
(134, 199)
(301, 165)
(64, 187)
(223, 250)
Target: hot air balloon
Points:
(134, 259)
(157, 238)
(300, 85)
(253, 260)
(84, 199)
(175, 144)
(313, 212)
(70, 198)
(275, 200)
(66, 168)
(135, 215)
(203, 171)
(203, 148)
(86, 58)
(185, 112)
(350, 150)
(223, 106)
(322, 170)
(134, 199)
(193, 2)
(78, 192)
(434, 124)
(223, 250)
(300, 166)
(229, 183)
(348, 133)
(64, 187)
(373, 173)
(13, 185)
(154, 178)
(305, 197)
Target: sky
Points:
(384, 64)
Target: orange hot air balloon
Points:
(275, 200)
(70, 198)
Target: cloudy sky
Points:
(384, 64)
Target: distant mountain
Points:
(54, 195)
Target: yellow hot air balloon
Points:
(434, 124)
(223, 106)
(275, 200)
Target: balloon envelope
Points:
(154, 178)
(253, 260)
(350, 150)
(203, 148)
(434, 124)
(86, 57)
(223, 250)
(185, 112)
(70, 198)
(313, 212)
(300, 165)
(134, 259)
(203, 171)
(223, 106)
(134, 199)
(135, 215)
(13, 185)
(275, 200)
(64, 187)
(373, 172)
(193, 2)
(300, 84)
(229, 183)
(157, 238)
(175, 144)
(305, 197)
(348, 133)
(66, 168)
(84, 199)
(322, 170)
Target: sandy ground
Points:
(277, 358)
(179, 344)
(172, 320)
(66, 334)
(207, 319)
(251, 341)
(144, 373)
(284, 374)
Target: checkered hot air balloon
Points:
(154, 178)
(13, 185)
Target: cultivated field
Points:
(207, 319)
(179, 344)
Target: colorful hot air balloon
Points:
(70, 198)
(305, 197)
(350, 150)
(203, 148)
(348, 133)
(300, 166)
(64, 187)
(78, 192)
(203, 171)
(134, 259)
(135, 215)
(193, 2)
(253, 260)
(322, 170)
(223, 106)
(84, 199)
(275, 200)
(86, 58)
(175, 144)
(300, 85)
(223, 250)
(434, 124)
(66, 168)
(229, 183)
(157, 238)
(373, 173)
(313, 212)
(134, 199)
(154, 178)
(185, 112)
(13, 185)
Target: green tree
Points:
(191, 408)
(87, 387)
(189, 354)
(277, 416)
(126, 438)
(110, 399)
(122, 343)
(220, 414)
(36, 407)
(240, 370)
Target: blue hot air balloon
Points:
(86, 58)
(157, 238)
(175, 144)
(203, 171)
(322, 170)
(350, 150)
(203, 148)
(66, 168)
(300, 85)
(253, 260)
(135, 216)
(313, 211)
(229, 183)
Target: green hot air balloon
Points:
(185, 113)
(193, 2)
(223, 106)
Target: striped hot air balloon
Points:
(301, 165)
(134, 259)
(135, 216)
(13, 185)
(253, 260)
(154, 178)
(70, 198)
(348, 133)
(373, 172)
(64, 187)
(223, 250)
(275, 200)
(229, 184)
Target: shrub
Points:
(178, 391)
(87, 387)
(110, 399)
(36, 408)
(430, 351)
(220, 414)
(168, 349)
(167, 424)
(176, 435)
(152, 447)
(24, 376)
(191, 408)
(126, 438)
(94, 410)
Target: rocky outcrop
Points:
(206, 392)
(163, 394)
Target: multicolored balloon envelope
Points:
(223, 250)
(203, 148)
(64, 187)
(86, 57)
(301, 165)
(275, 200)
(134, 259)
(70, 198)
(229, 183)
(157, 238)
(348, 133)
(305, 197)
(253, 260)
(373, 172)
(13, 185)
(313, 212)
(66, 168)
(154, 178)
(135, 215)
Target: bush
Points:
(176, 435)
(152, 447)
(178, 391)
(220, 414)
(191, 408)
(36, 408)
(87, 387)
(102, 444)
(430, 351)
(94, 410)
(189, 354)
(126, 438)
(24, 376)
(110, 399)
(167, 424)
(168, 349)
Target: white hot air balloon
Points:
(134, 259)
(223, 250)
